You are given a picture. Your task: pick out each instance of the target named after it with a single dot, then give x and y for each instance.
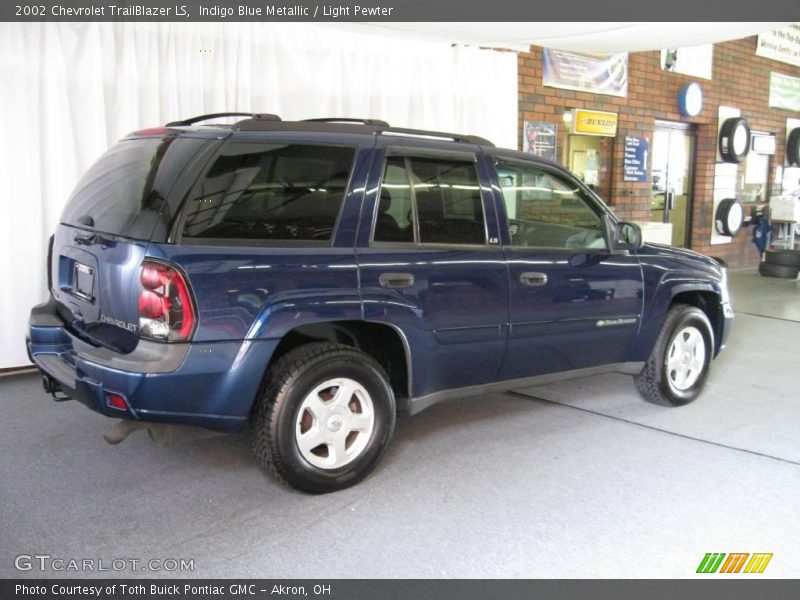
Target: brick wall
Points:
(740, 80)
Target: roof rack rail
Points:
(208, 117)
(436, 135)
(355, 126)
(377, 122)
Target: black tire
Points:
(277, 417)
(655, 382)
(793, 148)
(726, 133)
(721, 216)
(787, 258)
(781, 271)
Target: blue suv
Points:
(313, 279)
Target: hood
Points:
(681, 254)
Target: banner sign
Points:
(781, 44)
(597, 73)
(634, 161)
(594, 122)
(540, 138)
(695, 61)
(784, 91)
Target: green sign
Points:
(784, 91)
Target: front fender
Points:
(663, 290)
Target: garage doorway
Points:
(673, 169)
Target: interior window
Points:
(547, 211)
(271, 192)
(442, 195)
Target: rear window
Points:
(271, 191)
(125, 191)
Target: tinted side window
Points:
(547, 211)
(271, 192)
(395, 221)
(448, 198)
(441, 196)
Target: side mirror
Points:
(627, 236)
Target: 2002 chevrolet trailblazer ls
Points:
(313, 279)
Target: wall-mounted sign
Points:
(540, 138)
(695, 61)
(634, 160)
(762, 143)
(784, 91)
(595, 72)
(781, 44)
(690, 99)
(594, 122)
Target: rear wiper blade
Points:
(90, 237)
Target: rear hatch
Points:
(129, 197)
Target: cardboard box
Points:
(784, 208)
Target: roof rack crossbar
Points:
(377, 122)
(208, 117)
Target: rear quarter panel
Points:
(264, 292)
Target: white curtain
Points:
(71, 90)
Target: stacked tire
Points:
(780, 263)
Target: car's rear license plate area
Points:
(83, 281)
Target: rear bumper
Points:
(205, 384)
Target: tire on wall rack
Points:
(793, 148)
(781, 271)
(728, 217)
(734, 140)
(786, 258)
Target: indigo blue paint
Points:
(467, 320)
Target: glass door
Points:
(673, 161)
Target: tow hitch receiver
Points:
(52, 387)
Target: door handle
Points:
(395, 281)
(671, 201)
(533, 279)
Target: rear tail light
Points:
(166, 312)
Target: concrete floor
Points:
(579, 479)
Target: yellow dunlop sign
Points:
(594, 122)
